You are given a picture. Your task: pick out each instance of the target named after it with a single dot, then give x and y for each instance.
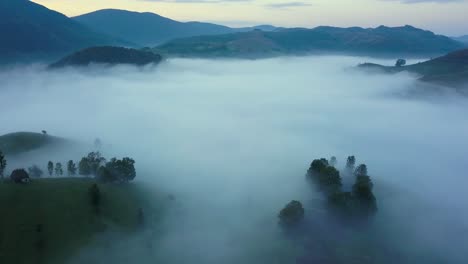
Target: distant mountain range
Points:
(381, 41)
(30, 30)
(145, 28)
(449, 70)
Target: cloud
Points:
(198, 1)
(425, 1)
(232, 140)
(285, 5)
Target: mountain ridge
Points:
(36, 31)
(406, 40)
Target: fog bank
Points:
(233, 139)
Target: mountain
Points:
(449, 70)
(30, 30)
(146, 29)
(108, 55)
(380, 41)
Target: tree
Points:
(44, 132)
(50, 167)
(333, 161)
(19, 176)
(58, 169)
(366, 202)
(400, 63)
(361, 170)
(326, 177)
(3, 164)
(123, 170)
(95, 197)
(350, 163)
(90, 164)
(71, 168)
(292, 213)
(105, 176)
(35, 171)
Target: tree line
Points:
(92, 165)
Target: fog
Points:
(232, 140)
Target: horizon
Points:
(308, 14)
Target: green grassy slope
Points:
(449, 70)
(62, 207)
(16, 143)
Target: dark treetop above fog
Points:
(108, 55)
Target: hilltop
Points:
(146, 29)
(108, 55)
(20, 142)
(380, 41)
(449, 70)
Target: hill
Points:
(463, 39)
(49, 220)
(29, 30)
(146, 29)
(20, 142)
(381, 41)
(108, 55)
(449, 70)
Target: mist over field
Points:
(231, 140)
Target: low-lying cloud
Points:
(232, 141)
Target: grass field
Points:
(47, 220)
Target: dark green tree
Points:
(58, 169)
(122, 170)
(35, 171)
(292, 213)
(90, 164)
(366, 202)
(50, 167)
(361, 170)
(400, 63)
(326, 177)
(3, 164)
(350, 163)
(71, 168)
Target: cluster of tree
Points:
(113, 171)
(359, 202)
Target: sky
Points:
(441, 16)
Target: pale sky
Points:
(449, 17)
